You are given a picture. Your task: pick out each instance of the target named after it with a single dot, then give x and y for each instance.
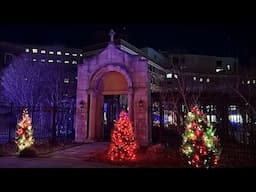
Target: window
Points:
(50, 61)
(66, 62)
(248, 82)
(169, 76)
(67, 53)
(74, 54)
(218, 70)
(42, 60)
(81, 55)
(27, 50)
(183, 60)
(208, 80)
(66, 80)
(34, 50)
(228, 67)
(201, 79)
(34, 60)
(218, 63)
(58, 61)
(74, 62)
(51, 52)
(175, 76)
(253, 81)
(58, 52)
(194, 78)
(8, 58)
(175, 60)
(43, 51)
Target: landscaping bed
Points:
(157, 156)
(42, 148)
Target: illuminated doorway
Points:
(113, 105)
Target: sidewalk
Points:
(76, 157)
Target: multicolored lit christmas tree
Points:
(200, 145)
(123, 145)
(24, 133)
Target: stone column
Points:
(130, 103)
(99, 117)
(81, 117)
(92, 115)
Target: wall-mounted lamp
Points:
(140, 103)
(82, 104)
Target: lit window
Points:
(58, 61)
(248, 82)
(26, 50)
(75, 77)
(201, 80)
(228, 67)
(67, 53)
(66, 80)
(74, 62)
(66, 62)
(81, 55)
(207, 80)
(58, 52)
(51, 52)
(50, 61)
(169, 76)
(242, 82)
(235, 118)
(175, 76)
(34, 60)
(253, 81)
(74, 54)
(34, 50)
(43, 51)
(194, 78)
(219, 70)
(42, 60)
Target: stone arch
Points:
(98, 74)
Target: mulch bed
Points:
(42, 148)
(147, 158)
(159, 157)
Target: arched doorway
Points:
(110, 92)
(114, 88)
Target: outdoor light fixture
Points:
(82, 104)
(140, 103)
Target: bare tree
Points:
(33, 85)
(243, 87)
(27, 83)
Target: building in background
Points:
(155, 87)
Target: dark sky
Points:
(211, 39)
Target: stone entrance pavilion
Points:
(109, 80)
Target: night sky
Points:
(211, 39)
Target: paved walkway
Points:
(76, 157)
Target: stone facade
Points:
(91, 73)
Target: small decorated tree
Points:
(24, 133)
(200, 145)
(123, 145)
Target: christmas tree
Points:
(200, 145)
(123, 145)
(24, 133)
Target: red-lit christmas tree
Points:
(200, 146)
(24, 133)
(123, 145)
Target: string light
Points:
(24, 133)
(123, 145)
(200, 146)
